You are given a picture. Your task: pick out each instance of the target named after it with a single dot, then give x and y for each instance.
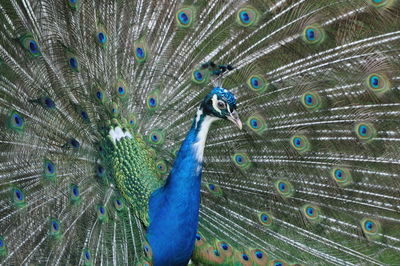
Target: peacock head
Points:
(221, 103)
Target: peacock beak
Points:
(234, 117)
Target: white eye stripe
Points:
(215, 103)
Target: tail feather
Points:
(312, 178)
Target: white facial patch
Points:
(117, 134)
(215, 103)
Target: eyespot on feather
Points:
(313, 34)
(284, 188)
(311, 212)
(200, 76)
(156, 137)
(257, 83)
(378, 83)
(15, 121)
(265, 218)
(241, 160)
(30, 44)
(55, 228)
(311, 100)
(18, 197)
(49, 170)
(259, 256)
(140, 51)
(341, 176)
(371, 228)
(300, 143)
(365, 131)
(185, 17)
(247, 16)
(257, 124)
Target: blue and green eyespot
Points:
(18, 197)
(73, 61)
(241, 160)
(311, 212)
(214, 189)
(132, 121)
(161, 167)
(265, 218)
(152, 101)
(378, 83)
(55, 228)
(99, 94)
(185, 17)
(119, 204)
(200, 240)
(278, 262)
(140, 51)
(49, 170)
(259, 256)
(31, 45)
(147, 250)
(247, 16)
(313, 34)
(245, 257)
(102, 213)
(156, 137)
(371, 228)
(15, 121)
(284, 188)
(311, 100)
(224, 247)
(300, 143)
(82, 113)
(74, 193)
(47, 102)
(114, 109)
(101, 36)
(200, 76)
(74, 4)
(381, 3)
(3, 247)
(256, 123)
(257, 83)
(87, 258)
(121, 89)
(341, 175)
(365, 131)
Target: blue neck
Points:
(174, 209)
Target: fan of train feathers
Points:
(312, 179)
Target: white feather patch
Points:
(117, 134)
(198, 115)
(202, 136)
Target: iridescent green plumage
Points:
(133, 170)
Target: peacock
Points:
(224, 132)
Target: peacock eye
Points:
(221, 105)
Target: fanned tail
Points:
(312, 179)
